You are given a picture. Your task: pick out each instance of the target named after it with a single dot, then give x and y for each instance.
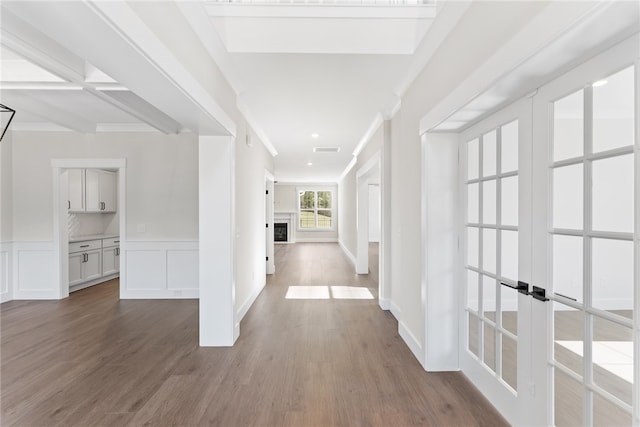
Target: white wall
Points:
(374, 212)
(160, 248)
(251, 163)
(6, 217)
(6, 190)
(348, 197)
(286, 200)
(445, 70)
(347, 224)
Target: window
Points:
(315, 209)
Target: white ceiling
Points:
(334, 70)
(329, 70)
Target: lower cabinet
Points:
(85, 266)
(91, 260)
(110, 261)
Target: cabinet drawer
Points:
(85, 246)
(108, 243)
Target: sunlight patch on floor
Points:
(326, 292)
(614, 356)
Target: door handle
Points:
(521, 287)
(537, 293)
(68, 204)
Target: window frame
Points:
(315, 209)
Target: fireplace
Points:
(280, 230)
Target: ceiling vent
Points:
(326, 149)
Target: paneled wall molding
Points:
(6, 271)
(160, 270)
(33, 271)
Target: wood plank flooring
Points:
(93, 359)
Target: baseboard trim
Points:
(244, 309)
(347, 252)
(395, 310)
(159, 294)
(316, 240)
(384, 304)
(411, 341)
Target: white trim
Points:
(384, 303)
(350, 166)
(334, 208)
(6, 270)
(371, 130)
(321, 10)
(317, 240)
(347, 252)
(395, 310)
(411, 341)
(260, 133)
(556, 29)
(244, 309)
(269, 181)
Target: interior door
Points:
(586, 247)
(496, 182)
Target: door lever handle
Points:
(521, 287)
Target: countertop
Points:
(91, 237)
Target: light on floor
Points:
(322, 292)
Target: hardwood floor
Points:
(93, 359)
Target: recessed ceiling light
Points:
(315, 136)
(599, 83)
(309, 164)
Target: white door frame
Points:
(60, 223)
(363, 178)
(269, 181)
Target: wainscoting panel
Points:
(6, 267)
(160, 270)
(34, 271)
(182, 270)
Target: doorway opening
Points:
(83, 239)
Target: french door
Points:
(551, 254)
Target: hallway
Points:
(95, 360)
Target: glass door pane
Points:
(593, 199)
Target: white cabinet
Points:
(110, 257)
(76, 190)
(85, 261)
(100, 191)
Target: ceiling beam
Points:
(20, 101)
(39, 49)
(137, 107)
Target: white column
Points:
(440, 217)
(362, 251)
(217, 241)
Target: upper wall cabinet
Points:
(76, 190)
(100, 191)
(92, 190)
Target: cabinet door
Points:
(108, 191)
(75, 268)
(117, 261)
(93, 265)
(76, 190)
(110, 261)
(92, 190)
